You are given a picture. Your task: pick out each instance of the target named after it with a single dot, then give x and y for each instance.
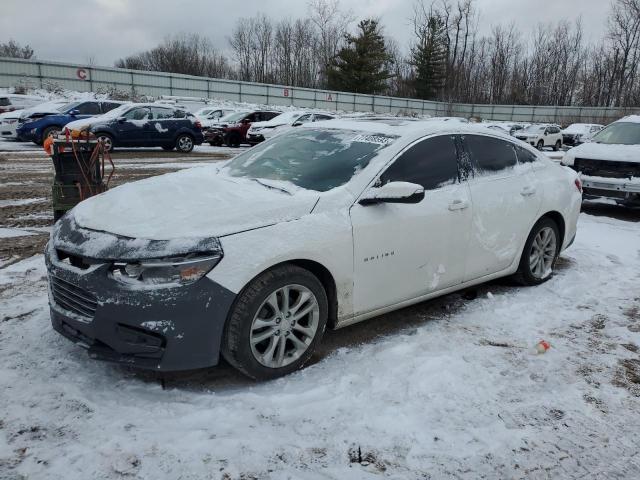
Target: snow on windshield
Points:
(314, 159)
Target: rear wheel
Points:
(540, 253)
(276, 323)
(540, 145)
(49, 131)
(184, 143)
(107, 141)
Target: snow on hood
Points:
(604, 151)
(197, 203)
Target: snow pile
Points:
(446, 389)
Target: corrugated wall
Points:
(14, 72)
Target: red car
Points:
(232, 129)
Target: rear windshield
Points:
(4, 101)
(314, 159)
(620, 133)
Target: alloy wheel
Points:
(106, 142)
(284, 326)
(185, 144)
(543, 253)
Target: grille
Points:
(606, 168)
(73, 298)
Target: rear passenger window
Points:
(432, 163)
(490, 155)
(88, 108)
(161, 113)
(108, 106)
(179, 114)
(525, 156)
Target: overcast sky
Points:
(104, 30)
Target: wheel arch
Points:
(321, 272)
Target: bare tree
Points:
(12, 49)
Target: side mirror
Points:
(121, 119)
(74, 112)
(393, 192)
(297, 124)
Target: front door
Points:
(133, 127)
(403, 251)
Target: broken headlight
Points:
(165, 271)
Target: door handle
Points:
(458, 205)
(527, 191)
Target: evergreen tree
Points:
(361, 66)
(429, 58)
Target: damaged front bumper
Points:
(164, 328)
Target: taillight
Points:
(198, 125)
(578, 184)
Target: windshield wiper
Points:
(272, 186)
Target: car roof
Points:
(629, 119)
(404, 127)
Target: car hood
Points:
(602, 151)
(82, 123)
(194, 203)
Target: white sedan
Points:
(324, 226)
(9, 124)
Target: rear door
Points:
(163, 126)
(403, 251)
(506, 200)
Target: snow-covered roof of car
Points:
(630, 119)
(400, 127)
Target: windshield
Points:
(117, 112)
(620, 133)
(69, 106)
(314, 159)
(534, 129)
(287, 117)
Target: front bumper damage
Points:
(162, 328)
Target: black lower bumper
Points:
(255, 139)
(165, 329)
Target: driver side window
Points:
(137, 114)
(432, 163)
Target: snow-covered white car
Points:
(261, 131)
(324, 226)
(541, 136)
(9, 123)
(210, 115)
(507, 127)
(10, 102)
(610, 163)
(578, 133)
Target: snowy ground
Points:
(445, 389)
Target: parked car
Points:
(541, 136)
(38, 129)
(260, 131)
(329, 224)
(609, 164)
(578, 133)
(8, 124)
(507, 127)
(232, 129)
(10, 102)
(145, 125)
(215, 117)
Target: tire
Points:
(48, 131)
(184, 143)
(557, 146)
(233, 139)
(529, 271)
(273, 353)
(107, 141)
(540, 145)
(167, 148)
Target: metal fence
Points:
(83, 78)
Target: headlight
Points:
(34, 130)
(256, 129)
(172, 271)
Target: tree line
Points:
(448, 58)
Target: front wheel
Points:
(540, 145)
(106, 140)
(540, 253)
(49, 131)
(557, 146)
(276, 323)
(184, 143)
